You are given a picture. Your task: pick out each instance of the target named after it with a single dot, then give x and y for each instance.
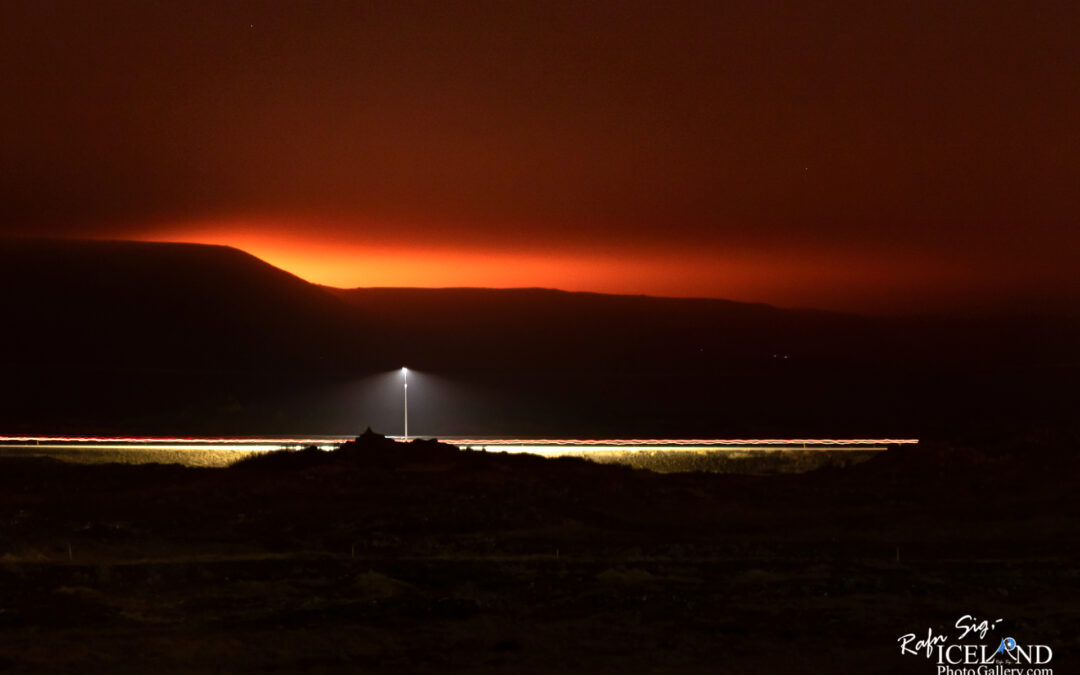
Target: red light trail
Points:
(562, 442)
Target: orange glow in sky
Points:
(875, 158)
(832, 281)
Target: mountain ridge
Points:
(118, 335)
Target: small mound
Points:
(368, 449)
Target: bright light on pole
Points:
(405, 375)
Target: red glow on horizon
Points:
(345, 263)
(837, 280)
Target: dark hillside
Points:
(108, 336)
(146, 305)
(619, 365)
(126, 337)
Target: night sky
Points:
(879, 157)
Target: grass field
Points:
(663, 460)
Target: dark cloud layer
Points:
(936, 131)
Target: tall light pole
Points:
(405, 375)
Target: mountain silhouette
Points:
(148, 305)
(113, 335)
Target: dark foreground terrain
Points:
(381, 557)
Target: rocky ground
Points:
(380, 557)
